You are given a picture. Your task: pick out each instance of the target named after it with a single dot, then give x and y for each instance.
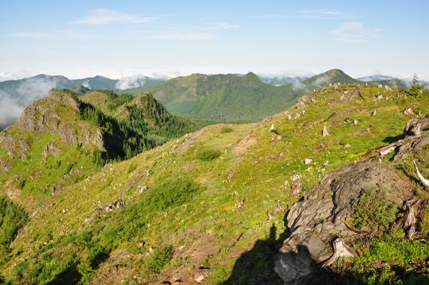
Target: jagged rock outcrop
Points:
(325, 214)
(57, 114)
(43, 117)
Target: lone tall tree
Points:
(416, 89)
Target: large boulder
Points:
(325, 214)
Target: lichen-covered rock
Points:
(325, 214)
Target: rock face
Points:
(48, 115)
(324, 215)
(57, 114)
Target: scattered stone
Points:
(240, 203)
(308, 161)
(408, 111)
(109, 207)
(140, 189)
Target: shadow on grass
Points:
(70, 276)
(256, 267)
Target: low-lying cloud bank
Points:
(13, 99)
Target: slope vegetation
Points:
(209, 207)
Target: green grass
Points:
(188, 197)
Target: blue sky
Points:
(124, 38)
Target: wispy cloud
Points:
(104, 16)
(63, 34)
(310, 14)
(354, 32)
(325, 14)
(220, 26)
(270, 16)
(185, 36)
(27, 35)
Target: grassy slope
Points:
(261, 164)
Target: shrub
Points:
(12, 218)
(132, 167)
(225, 130)
(374, 208)
(171, 192)
(159, 258)
(424, 223)
(208, 154)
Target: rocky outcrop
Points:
(57, 114)
(325, 214)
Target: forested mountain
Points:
(15, 95)
(233, 98)
(227, 98)
(222, 97)
(227, 204)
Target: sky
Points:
(119, 39)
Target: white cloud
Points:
(9, 110)
(27, 35)
(325, 14)
(354, 32)
(28, 91)
(220, 26)
(227, 26)
(185, 36)
(104, 16)
(70, 34)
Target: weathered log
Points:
(423, 180)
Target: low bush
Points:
(158, 259)
(208, 154)
(171, 192)
(374, 208)
(226, 130)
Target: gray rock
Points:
(324, 214)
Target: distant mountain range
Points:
(225, 97)
(232, 98)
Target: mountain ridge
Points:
(178, 98)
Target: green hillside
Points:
(230, 98)
(234, 98)
(197, 209)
